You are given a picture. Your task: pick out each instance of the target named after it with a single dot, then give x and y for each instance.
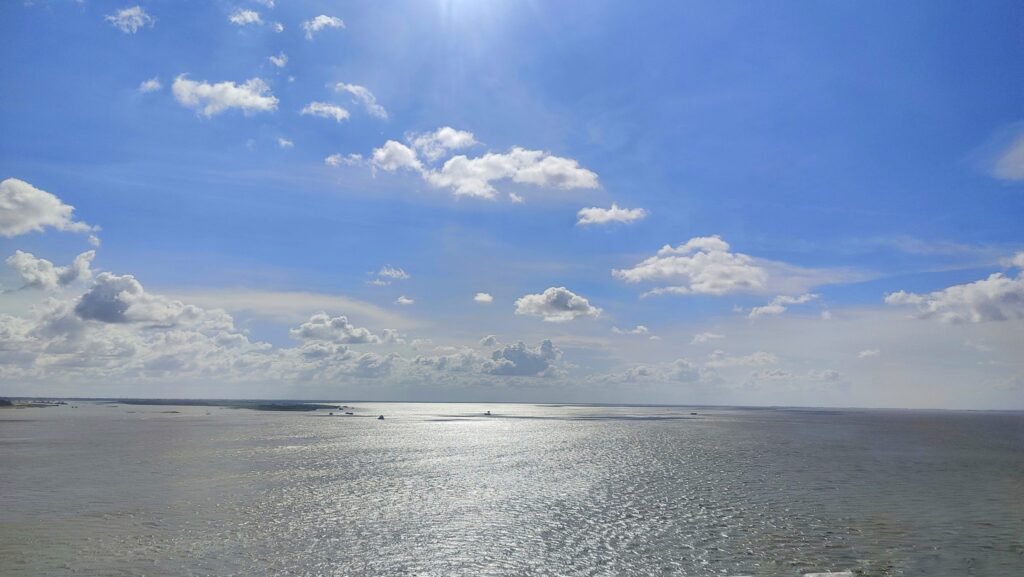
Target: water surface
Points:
(442, 490)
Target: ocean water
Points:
(442, 490)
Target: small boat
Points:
(348, 412)
(488, 413)
(380, 418)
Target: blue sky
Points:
(841, 152)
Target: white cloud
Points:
(281, 60)
(25, 208)
(267, 3)
(337, 330)
(483, 298)
(677, 371)
(637, 330)
(523, 361)
(211, 99)
(395, 155)
(702, 265)
(556, 304)
(702, 338)
(596, 215)
(151, 85)
(245, 17)
(515, 198)
(347, 160)
(868, 353)
(780, 304)
(319, 23)
(474, 176)
(720, 359)
(388, 271)
(41, 273)
(278, 27)
(997, 298)
(404, 301)
(489, 341)
(130, 20)
(291, 307)
(325, 110)
(122, 299)
(285, 143)
(434, 145)
(1009, 164)
(362, 95)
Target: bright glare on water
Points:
(440, 490)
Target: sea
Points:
(110, 489)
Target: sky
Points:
(772, 203)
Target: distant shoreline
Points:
(301, 405)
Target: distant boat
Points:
(380, 418)
(488, 413)
(693, 413)
(348, 412)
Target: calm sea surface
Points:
(441, 490)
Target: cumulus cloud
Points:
(41, 273)
(281, 60)
(338, 330)
(597, 215)
(434, 145)
(474, 176)
(556, 304)
(515, 198)
(395, 155)
(868, 353)
(285, 143)
(25, 208)
(363, 96)
(780, 304)
(392, 272)
(122, 299)
(998, 298)
(130, 20)
(278, 27)
(702, 265)
(151, 85)
(489, 341)
(347, 160)
(637, 330)
(253, 95)
(522, 361)
(325, 110)
(321, 22)
(720, 359)
(484, 298)
(245, 17)
(702, 338)
(404, 301)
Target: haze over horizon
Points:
(739, 204)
